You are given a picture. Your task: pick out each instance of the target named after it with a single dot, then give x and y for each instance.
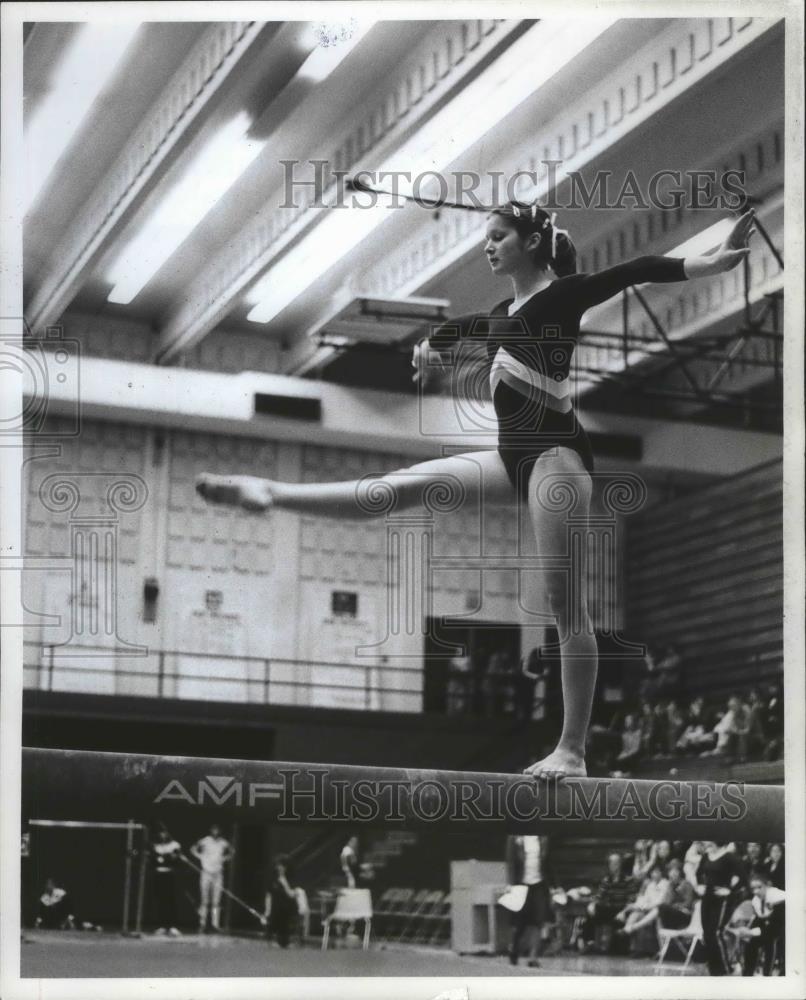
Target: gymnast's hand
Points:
(247, 492)
(732, 251)
(424, 373)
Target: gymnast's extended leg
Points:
(463, 477)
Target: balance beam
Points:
(85, 784)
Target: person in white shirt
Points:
(644, 910)
(528, 864)
(55, 907)
(767, 930)
(349, 862)
(213, 852)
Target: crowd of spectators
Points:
(739, 889)
(744, 727)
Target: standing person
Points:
(527, 859)
(350, 866)
(284, 905)
(529, 341)
(774, 867)
(720, 882)
(213, 853)
(165, 856)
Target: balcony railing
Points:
(219, 677)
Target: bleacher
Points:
(704, 573)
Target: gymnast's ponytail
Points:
(564, 260)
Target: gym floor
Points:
(67, 954)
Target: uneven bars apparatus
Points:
(129, 826)
(283, 793)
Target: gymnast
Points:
(529, 341)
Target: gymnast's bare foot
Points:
(559, 764)
(247, 492)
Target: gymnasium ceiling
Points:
(179, 141)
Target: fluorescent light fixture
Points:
(211, 173)
(512, 78)
(87, 65)
(333, 43)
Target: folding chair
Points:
(422, 933)
(442, 921)
(740, 920)
(351, 905)
(415, 909)
(692, 934)
(389, 907)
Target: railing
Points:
(223, 677)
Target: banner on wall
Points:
(336, 623)
(216, 670)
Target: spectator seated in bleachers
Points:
(664, 855)
(696, 735)
(55, 910)
(728, 729)
(647, 721)
(643, 858)
(743, 729)
(647, 854)
(675, 724)
(630, 743)
(766, 933)
(658, 744)
(643, 911)
(677, 906)
(774, 723)
(774, 868)
(648, 681)
(616, 890)
(751, 737)
(753, 859)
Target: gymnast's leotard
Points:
(529, 352)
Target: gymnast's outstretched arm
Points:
(591, 289)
